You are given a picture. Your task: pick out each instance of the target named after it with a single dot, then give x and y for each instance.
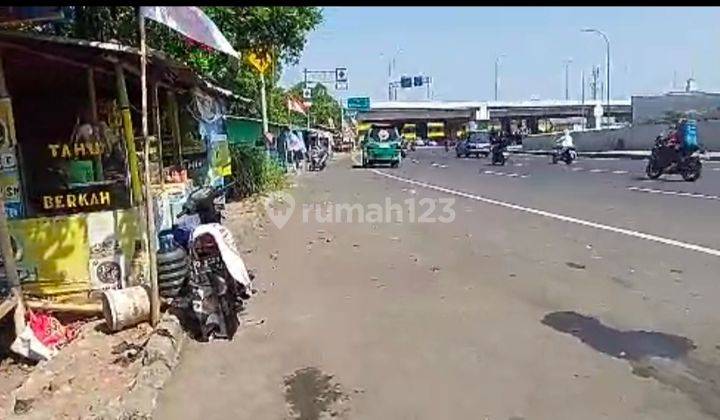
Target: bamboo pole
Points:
(175, 123)
(149, 203)
(128, 132)
(158, 128)
(92, 104)
(92, 96)
(75, 308)
(6, 249)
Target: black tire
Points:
(458, 155)
(554, 159)
(651, 171)
(692, 172)
(395, 164)
(227, 303)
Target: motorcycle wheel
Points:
(691, 172)
(554, 159)
(227, 296)
(651, 171)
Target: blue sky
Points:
(457, 46)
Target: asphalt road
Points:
(555, 293)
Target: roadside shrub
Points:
(254, 172)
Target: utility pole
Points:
(582, 87)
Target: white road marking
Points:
(716, 169)
(578, 168)
(568, 219)
(620, 172)
(598, 171)
(677, 193)
(510, 174)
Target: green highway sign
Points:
(359, 104)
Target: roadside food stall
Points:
(69, 166)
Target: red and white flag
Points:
(297, 106)
(191, 22)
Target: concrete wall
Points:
(638, 137)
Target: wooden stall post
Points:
(149, 200)
(175, 123)
(6, 249)
(158, 128)
(92, 99)
(128, 131)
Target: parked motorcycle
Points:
(218, 281)
(318, 158)
(172, 258)
(497, 154)
(669, 160)
(567, 155)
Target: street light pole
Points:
(497, 65)
(567, 72)
(607, 61)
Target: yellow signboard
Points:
(260, 61)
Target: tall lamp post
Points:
(567, 72)
(497, 66)
(607, 60)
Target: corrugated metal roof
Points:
(156, 57)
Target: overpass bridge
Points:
(457, 113)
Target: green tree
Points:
(281, 31)
(324, 107)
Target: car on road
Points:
(476, 144)
(419, 142)
(432, 143)
(382, 144)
